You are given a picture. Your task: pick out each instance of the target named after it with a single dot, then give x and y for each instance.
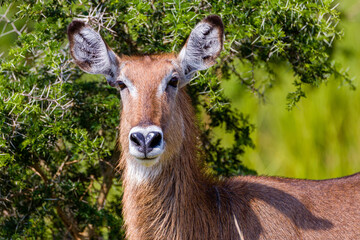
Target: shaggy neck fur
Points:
(177, 201)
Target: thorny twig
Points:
(3, 17)
(100, 19)
(8, 22)
(251, 86)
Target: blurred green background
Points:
(320, 138)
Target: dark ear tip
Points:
(75, 26)
(214, 20)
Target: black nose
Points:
(146, 144)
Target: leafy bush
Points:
(58, 125)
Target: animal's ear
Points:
(90, 52)
(202, 47)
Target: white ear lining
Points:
(202, 48)
(90, 51)
(203, 43)
(89, 47)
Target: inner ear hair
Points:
(203, 45)
(90, 52)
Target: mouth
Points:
(147, 158)
(148, 162)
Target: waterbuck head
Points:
(152, 123)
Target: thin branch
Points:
(108, 175)
(88, 188)
(58, 172)
(67, 218)
(70, 223)
(250, 86)
(4, 200)
(3, 17)
(39, 171)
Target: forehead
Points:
(148, 68)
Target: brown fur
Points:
(184, 203)
(180, 201)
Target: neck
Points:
(174, 197)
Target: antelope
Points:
(167, 192)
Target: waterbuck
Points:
(167, 194)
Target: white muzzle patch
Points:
(146, 144)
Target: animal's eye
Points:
(121, 85)
(174, 81)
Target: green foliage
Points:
(58, 125)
